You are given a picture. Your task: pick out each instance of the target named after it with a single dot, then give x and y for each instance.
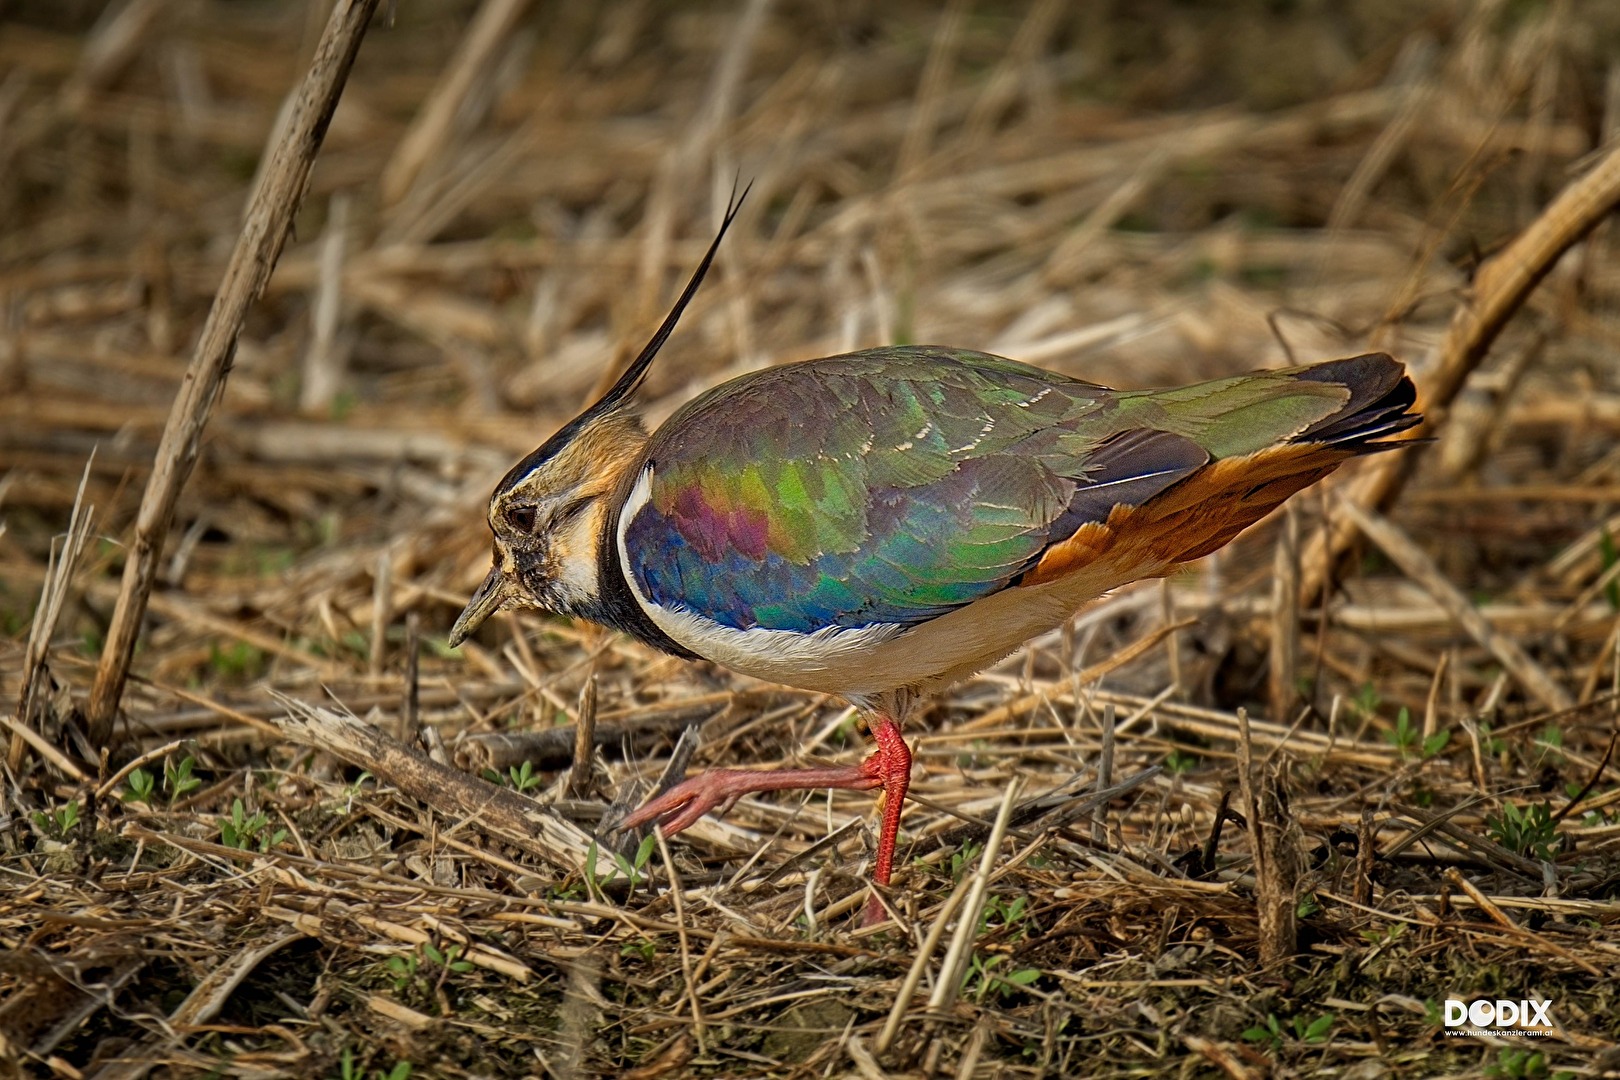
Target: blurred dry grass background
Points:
(508, 197)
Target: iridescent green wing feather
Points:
(894, 485)
(882, 487)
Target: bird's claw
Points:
(681, 806)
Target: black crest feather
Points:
(634, 375)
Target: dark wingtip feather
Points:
(1381, 400)
(1129, 469)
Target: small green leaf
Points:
(1317, 1030)
(1177, 763)
(140, 787)
(1436, 743)
(523, 777)
(1367, 700)
(178, 779)
(592, 881)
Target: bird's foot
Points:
(888, 767)
(681, 805)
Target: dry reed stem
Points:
(1271, 837)
(52, 596)
(579, 782)
(1499, 289)
(1105, 772)
(324, 361)
(1283, 677)
(699, 1027)
(201, 1005)
(919, 964)
(953, 968)
(1417, 565)
(1501, 918)
(268, 222)
(475, 314)
(513, 818)
(27, 736)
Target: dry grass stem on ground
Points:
(1262, 819)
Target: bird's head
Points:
(550, 515)
(554, 511)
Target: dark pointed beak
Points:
(486, 601)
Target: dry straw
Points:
(503, 204)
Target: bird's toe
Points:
(678, 808)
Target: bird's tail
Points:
(1381, 399)
(1209, 509)
(1259, 457)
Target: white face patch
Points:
(573, 551)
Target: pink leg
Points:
(889, 768)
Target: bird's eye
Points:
(520, 518)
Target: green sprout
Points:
(1408, 739)
(1177, 763)
(1531, 831)
(1274, 1032)
(523, 777)
(57, 823)
(177, 779)
(248, 832)
(983, 977)
(139, 787)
